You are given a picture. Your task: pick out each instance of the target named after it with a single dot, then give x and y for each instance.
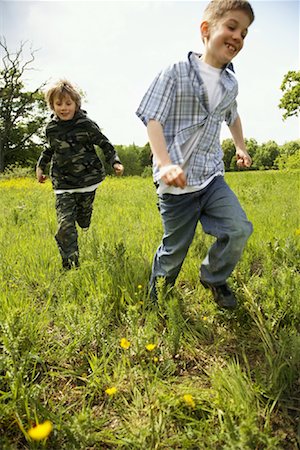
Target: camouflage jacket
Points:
(71, 151)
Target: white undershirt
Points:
(215, 91)
(91, 188)
(211, 77)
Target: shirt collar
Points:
(226, 66)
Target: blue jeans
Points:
(220, 214)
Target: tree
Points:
(228, 152)
(266, 155)
(290, 100)
(22, 113)
(289, 157)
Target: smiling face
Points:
(224, 39)
(64, 107)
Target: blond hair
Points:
(60, 90)
(217, 8)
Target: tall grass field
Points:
(84, 354)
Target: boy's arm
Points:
(109, 151)
(242, 156)
(170, 173)
(43, 160)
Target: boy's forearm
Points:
(236, 131)
(242, 156)
(158, 143)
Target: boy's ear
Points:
(204, 27)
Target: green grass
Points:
(60, 332)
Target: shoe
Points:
(222, 295)
(69, 264)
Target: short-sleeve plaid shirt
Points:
(177, 98)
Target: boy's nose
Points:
(237, 36)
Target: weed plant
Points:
(85, 349)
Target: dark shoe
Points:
(69, 264)
(222, 295)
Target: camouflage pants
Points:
(72, 208)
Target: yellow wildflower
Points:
(189, 401)
(150, 347)
(40, 431)
(124, 343)
(204, 318)
(140, 286)
(155, 359)
(111, 391)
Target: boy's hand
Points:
(243, 158)
(173, 175)
(119, 169)
(40, 175)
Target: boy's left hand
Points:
(243, 158)
(119, 169)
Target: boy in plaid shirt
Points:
(183, 110)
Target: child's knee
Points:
(243, 231)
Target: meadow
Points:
(84, 350)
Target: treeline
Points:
(269, 155)
(137, 160)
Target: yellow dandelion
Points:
(111, 391)
(40, 431)
(297, 232)
(204, 318)
(140, 287)
(124, 343)
(155, 359)
(150, 347)
(189, 401)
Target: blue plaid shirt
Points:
(177, 98)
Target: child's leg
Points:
(66, 236)
(84, 208)
(223, 217)
(180, 215)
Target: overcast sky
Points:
(113, 49)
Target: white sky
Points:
(113, 49)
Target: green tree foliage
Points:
(265, 156)
(289, 157)
(134, 158)
(22, 112)
(228, 152)
(290, 100)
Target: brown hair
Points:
(217, 8)
(60, 90)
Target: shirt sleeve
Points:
(158, 99)
(231, 114)
(103, 142)
(46, 154)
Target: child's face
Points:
(64, 107)
(225, 39)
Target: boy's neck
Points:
(204, 58)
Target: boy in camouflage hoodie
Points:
(76, 171)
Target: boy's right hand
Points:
(40, 175)
(173, 175)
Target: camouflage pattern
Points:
(71, 151)
(72, 208)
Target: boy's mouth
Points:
(231, 47)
